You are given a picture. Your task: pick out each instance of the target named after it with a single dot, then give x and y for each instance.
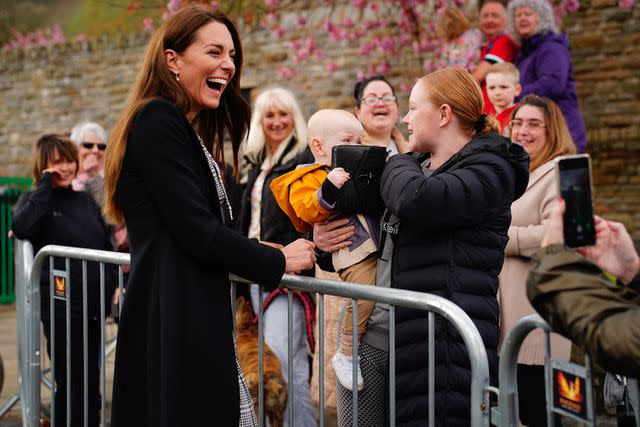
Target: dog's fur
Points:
(275, 387)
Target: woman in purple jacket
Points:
(544, 61)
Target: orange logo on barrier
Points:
(60, 285)
(569, 393)
(570, 389)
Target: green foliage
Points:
(91, 17)
(28, 15)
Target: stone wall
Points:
(49, 89)
(604, 46)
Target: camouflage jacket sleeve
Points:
(580, 302)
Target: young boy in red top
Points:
(503, 85)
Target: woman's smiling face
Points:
(528, 130)
(66, 170)
(207, 66)
(381, 116)
(526, 20)
(277, 125)
(422, 119)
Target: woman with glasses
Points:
(377, 110)
(91, 139)
(537, 125)
(544, 61)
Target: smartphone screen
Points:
(575, 188)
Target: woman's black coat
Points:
(61, 216)
(451, 242)
(175, 363)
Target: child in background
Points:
(461, 44)
(503, 86)
(308, 195)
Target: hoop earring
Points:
(177, 76)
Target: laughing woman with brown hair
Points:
(175, 360)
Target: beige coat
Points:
(530, 215)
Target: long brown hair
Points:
(559, 141)
(457, 88)
(154, 80)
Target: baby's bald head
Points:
(328, 128)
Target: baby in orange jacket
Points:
(308, 195)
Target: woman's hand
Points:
(331, 236)
(614, 250)
(55, 172)
(404, 146)
(91, 165)
(300, 256)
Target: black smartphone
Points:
(574, 174)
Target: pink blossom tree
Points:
(383, 31)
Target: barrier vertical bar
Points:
(392, 365)
(354, 364)
(507, 376)
(290, 353)
(85, 346)
(321, 357)
(260, 355)
(120, 289)
(103, 398)
(33, 358)
(68, 334)
(589, 381)
(234, 292)
(52, 342)
(548, 380)
(432, 369)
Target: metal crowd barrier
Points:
(23, 261)
(580, 407)
(433, 305)
(32, 374)
(479, 408)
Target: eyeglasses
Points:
(90, 145)
(373, 100)
(529, 124)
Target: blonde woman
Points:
(276, 144)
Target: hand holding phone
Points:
(574, 174)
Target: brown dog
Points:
(275, 387)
